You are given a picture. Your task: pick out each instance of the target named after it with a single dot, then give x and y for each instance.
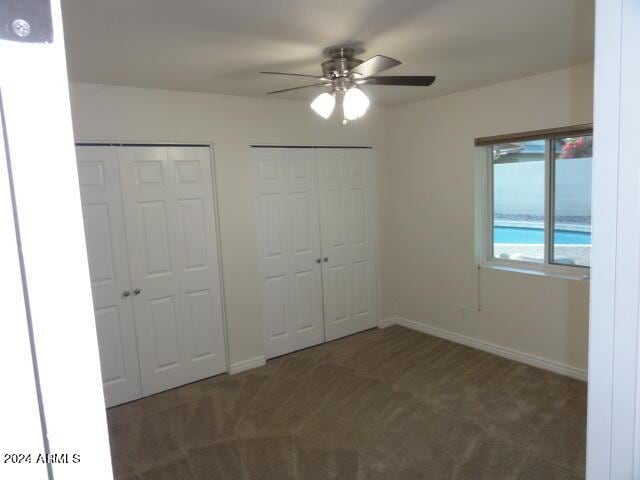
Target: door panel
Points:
(276, 307)
(97, 224)
(336, 285)
(198, 264)
(165, 336)
(110, 346)
(153, 220)
(304, 292)
(171, 231)
(201, 311)
(109, 272)
(289, 240)
(347, 182)
(192, 226)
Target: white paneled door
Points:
(315, 230)
(289, 237)
(167, 253)
(174, 264)
(347, 183)
(109, 272)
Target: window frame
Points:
(486, 250)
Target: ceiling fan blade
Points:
(298, 88)
(374, 65)
(317, 77)
(409, 81)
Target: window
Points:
(539, 202)
(571, 195)
(518, 200)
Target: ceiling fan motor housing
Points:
(341, 62)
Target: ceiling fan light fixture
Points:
(355, 103)
(342, 72)
(324, 104)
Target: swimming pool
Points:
(536, 235)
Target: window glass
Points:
(572, 201)
(519, 201)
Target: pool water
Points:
(536, 235)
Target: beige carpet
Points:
(384, 404)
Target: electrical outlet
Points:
(464, 311)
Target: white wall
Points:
(428, 216)
(232, 123)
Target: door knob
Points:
(318, 260)
(126, 293)
(137, 291)
(326, 259)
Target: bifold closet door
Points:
(290, 255)
(168, 201)
(316, 229)
(347, 213)
(109, 272)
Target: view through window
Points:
(541, 200)
(572, 201)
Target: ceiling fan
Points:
(344, 73)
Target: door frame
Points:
(376, 217)
(216, 213)
(49, 252)
(613, 423)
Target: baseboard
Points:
(388, 322)
(511, 354)
(245, 365)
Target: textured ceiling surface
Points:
(220, 46)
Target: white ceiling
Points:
(220, 46)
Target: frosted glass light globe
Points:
(355, 103)
(323, 104)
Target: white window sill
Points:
(551, 271)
